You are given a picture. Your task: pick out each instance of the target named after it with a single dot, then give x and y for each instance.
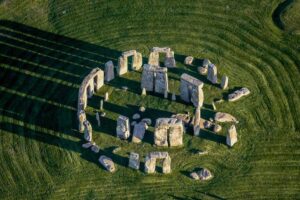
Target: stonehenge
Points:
(188, 60)
(123, 127)
(196, 122)
(168, 132)
(150, 162)
(155, 78)
(134, 160)
(238, 94)
(81, 119)
(204, 175)
(137, 61)
(139, 132)
(169, 58)
(107, 163)
(88, 131)
(191, 90)
(231, 138)
(109, 73)
(224, 82)
(224, 117)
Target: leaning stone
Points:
(87, 145)
(231, 138)
(224, 82)
(204, 174)
(148, 121)
(139, 132)
(107, 163)
(142, 109)
(194, 176)
(95, 148)
(136, 116)
(202, 70)
(224, 117)
(238, 94)
(134, 160)
(217, 128)
(188, 60)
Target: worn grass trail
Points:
(47, 47)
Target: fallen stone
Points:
(238, 94)
(188, 60)
(224, 117)
(87, 145)
(217, 128)
(204, 174)
(134, 160)
(136, 116)
(185, 118)
(117, 149)
(194, 176)
(95, 148)
(148, 121)
(107, 163)
(202, 70)
(142, 109)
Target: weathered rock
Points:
(107, 163)
(123, 128)
(212, 73)
(139, 132)
(202, 70)
(196, 122)
(109, 73)
(81, 119)
(88, 131)
(231, 138)
(134, 160)
(123, 61)
(168, 127)
(194, 175)
(169, 58)
(106, 96)
(148, 121)
(224, 117)
(95, 148)
(155, 78)
(191, 90)
(204, 174)
(238, 94)
(217, 128)
(188, 60)
(142, 109)
(185, 118)
(207, 124)
(144, 93)
(136, 116)
(150, 162)
(224, 82)
(87, 145)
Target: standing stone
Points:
(98, 119)
(173, 97)
(196, 122)
(170, 60)
(149, 164)
(134, 160)
(109, 73)
(167, 165)
(82, 119)
(137, 61)
(231, 138)
(106, 97)
(139, 132)
(88, 131)
(147, 81)
(161, 80)
(101, 105)
(153, 58)
(123, 127)
(107, 163)
(144, 93)
(224, 82)
(122, 65)
(188, 60)
(213, 105)
(191, 90)
(212, 74)
(95, 148)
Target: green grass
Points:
(291, 17)
(46, 49)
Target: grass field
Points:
(46, 49)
